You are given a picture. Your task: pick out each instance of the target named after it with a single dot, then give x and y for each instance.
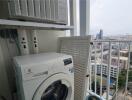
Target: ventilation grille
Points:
(78, 47)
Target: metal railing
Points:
(101, 84)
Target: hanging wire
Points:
(2, 97)
(8, 36)
(15, 38)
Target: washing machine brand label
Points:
(42, 73)
(67, 61)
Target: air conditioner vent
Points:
(53, 11)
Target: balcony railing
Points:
(110, 80)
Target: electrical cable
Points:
(17, 45)
(10, 56)
(7, 37)
(2, 97)
(11, 36)
(15, 38)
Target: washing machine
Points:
(45, 76)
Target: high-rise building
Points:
(100, 34)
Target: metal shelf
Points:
(32, 25)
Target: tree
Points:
(122, 78)
(130, 76)
(97, 87)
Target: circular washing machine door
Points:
(57, 87)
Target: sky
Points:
(113, 16)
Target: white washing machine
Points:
(46, 76)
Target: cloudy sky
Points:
(113, 16)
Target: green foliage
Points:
(130, 76)
(97, 87)
(122, 78)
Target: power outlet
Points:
(35, 41)
(22, 36)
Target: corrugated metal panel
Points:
(23, 7)
(52, 5)
(37, 8)
(48, 9)
(62, 11)
(14, 7)
(78, 47)
(42, 9)
(53, 11)
(30, 8)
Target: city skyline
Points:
(113, 16)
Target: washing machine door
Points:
(57, 87)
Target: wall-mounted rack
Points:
(32, 25)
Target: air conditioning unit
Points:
(62, 8)
(53, 11)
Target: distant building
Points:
(114, 63)
(100, 35)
